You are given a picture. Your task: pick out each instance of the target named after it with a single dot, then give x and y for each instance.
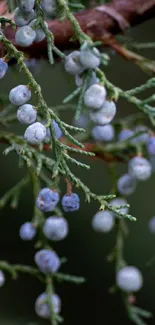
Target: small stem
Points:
(50, 291)
(69, 186)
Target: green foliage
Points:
(39, 164)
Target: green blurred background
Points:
(85, 250)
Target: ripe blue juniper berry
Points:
(21, 18)
(89, 57)
(25, 36)
(129, 279)
(151, 225)
(27, 231)
(105, 114)
(119, 201)
(103, 221)
(126, 184)
(49, 7)
(141, 138)
(73, 64)
(125, 134)
(39, 33)
(57, 130)
(95, 96)
(82, 121)
(2, 278)
(42, 308)
(151, 146)
(140, 168)
(103, 132)
(26, 114)
(26, 5)
(47, 261)
(70, 202)
(55, 228)
(3, 68)
(92, 80)
(35, 133)
(20, 95)
(47, 199)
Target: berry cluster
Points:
(55, 228)
(97, 98)
(25, 17)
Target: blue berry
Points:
(126, 184)
(140, 168)
(105, 115)
(70, 202)
(89, 57)
(26, 5)
(103, 133)
(118, 202)
(49, 7)
(25, 36)
(2, 278)
(3, 68)
(151, 146)
(152, 162)
(55, 228)
(73, 64)
(125, 134)
(20, 95)
(142, 138)
(42, 307)
(33, 64)
(151, 225)
(82, 121)
(26, 114)
(92, 80)
(47, 261)
(47, 199)
(129, 279)
(39, 33)
(78, 80)
(27, 231)
(94, 96)
(103, 221)
(22, 19)
(35, 133)
(57, 130)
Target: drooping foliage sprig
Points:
(72, 140)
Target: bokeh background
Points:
(85, 250)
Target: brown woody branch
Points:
(100, 23)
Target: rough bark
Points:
(99, 22)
